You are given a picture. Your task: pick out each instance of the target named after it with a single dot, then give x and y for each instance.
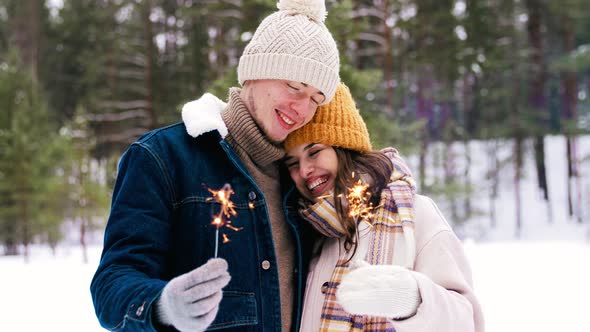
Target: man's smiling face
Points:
(280, 107)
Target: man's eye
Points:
(314, 152)
(319, 99)
(315, 101)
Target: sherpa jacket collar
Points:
(204, 115)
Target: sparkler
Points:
(222, 196)
(358, 201)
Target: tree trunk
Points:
(539, 147)
(26, 34)
(570, 174)
(149, 67)
(422, 165)
(199, 66)
(467, 180)
(569, 107)
(494, 170)
(424, 111)
(10, 248)
(513, 80)
(11, 238)
(24, 216)
(83, 223)
(537, 97)
(518, 142)
(53, 247)
(449, 176)
(388, 63)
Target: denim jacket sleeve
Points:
(129, 277)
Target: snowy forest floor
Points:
(523, 286)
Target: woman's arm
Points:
(444, 278)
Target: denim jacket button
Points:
(252, 195)
(265, 265)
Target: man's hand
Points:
(379, 290)
(190, 301)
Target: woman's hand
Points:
(379, 290)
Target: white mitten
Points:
(379, 290)
(190, 301)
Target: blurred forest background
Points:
(82, 79)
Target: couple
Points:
(299, 262)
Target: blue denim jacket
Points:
(160, 227)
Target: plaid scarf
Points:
(391, 241)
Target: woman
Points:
(396, 267)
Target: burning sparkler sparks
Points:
(358, 201)
(222, 196)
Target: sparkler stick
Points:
(217, 223)
(222, 196)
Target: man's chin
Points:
(277, 140)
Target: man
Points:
(156, 270)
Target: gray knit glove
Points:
(379, 290)
(190, 301)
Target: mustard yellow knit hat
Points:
(337, 123)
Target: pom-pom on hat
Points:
(337, 123)
(293, 44)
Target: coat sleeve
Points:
(129, 277)
(445, 282)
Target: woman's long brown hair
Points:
(377, 166)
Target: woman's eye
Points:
(292, 88)
(291, 165)
(314, 153)
(315, 101)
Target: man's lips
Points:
(285, 120)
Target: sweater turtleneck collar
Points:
(245, 136)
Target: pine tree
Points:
(30, 161)
(88, 194)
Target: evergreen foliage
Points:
(32, 155)
(80, 82)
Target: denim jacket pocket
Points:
(236, 309)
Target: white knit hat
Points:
(293, 44)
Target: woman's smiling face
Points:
(313, 168)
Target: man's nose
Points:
(302, 106)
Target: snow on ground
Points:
(523, 286)
(532, 286)
(49, 293)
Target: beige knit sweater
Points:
(261, 157)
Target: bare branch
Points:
(367, 36)
(364, 12)
(114, 117)
(124, 105)
(128, 136)
(234, 13)
(237, 3)
(137, 59)
(128, 73)
(370, 51)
